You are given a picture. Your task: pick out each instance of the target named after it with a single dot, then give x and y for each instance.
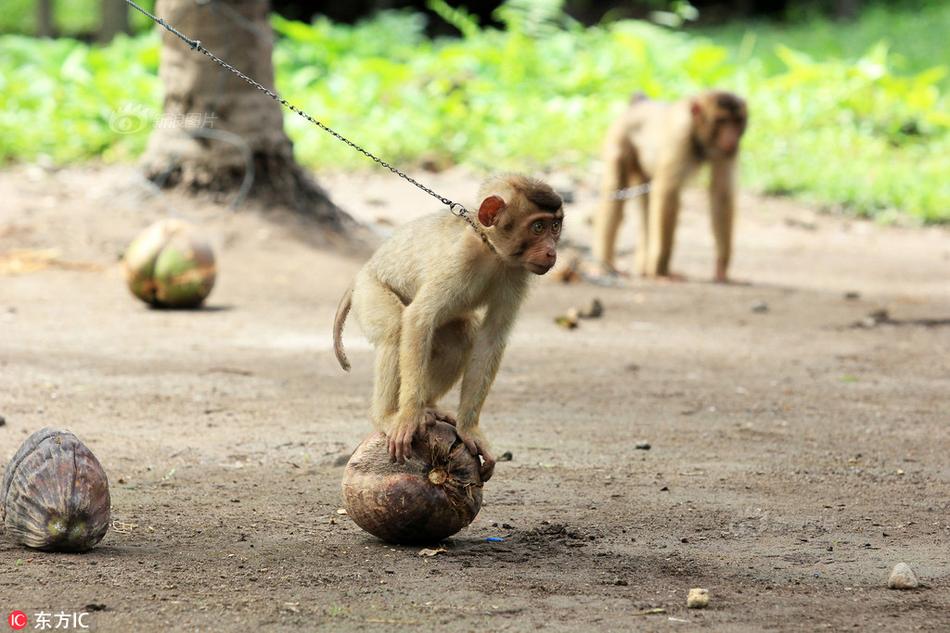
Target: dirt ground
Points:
(795, 458)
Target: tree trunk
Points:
(44, 18)
(217, 131)
(847, 9)
(114, 19)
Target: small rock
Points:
(3, 421)
(760, 307)
(698, 598)
(341, 460)
(568, 320)
(902, 577)
(341, 510)
(873, 319)
(620, 582)
(506, 457)
(428, 553)
(642, 446)
(594, 311)
(852, 295)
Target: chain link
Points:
(632, 192)
(454, 207)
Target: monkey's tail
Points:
(338, 321)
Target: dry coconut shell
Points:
(170, 266)
(55, 494)
(433, 495)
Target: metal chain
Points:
(632, 192)
(454, 207)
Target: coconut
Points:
(433, 495)
(170, 266)
(55, 494)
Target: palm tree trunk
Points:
(114, 19)
(216, 128)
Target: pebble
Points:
(643, 446)
(698, 598)
(902, 577)
(760, 307)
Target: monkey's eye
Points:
(556, 227)
(538, 227)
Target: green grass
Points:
(916, 37)
(843, 118)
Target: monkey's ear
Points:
(695, 108)
(489, 209)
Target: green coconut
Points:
(170, 266)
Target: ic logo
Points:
(17, 620)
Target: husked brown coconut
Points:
(55, 494)
(433, 495)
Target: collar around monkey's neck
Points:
(461, 212)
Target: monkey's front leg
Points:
(477, 381)
(722, 207)
(663, 211)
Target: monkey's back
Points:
(404, 260)
(645, 124)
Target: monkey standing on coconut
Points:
(663, 144)
(438, 299)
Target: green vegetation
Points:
(838, 116)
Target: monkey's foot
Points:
(477, 446)
(673, 278)
(434, 415)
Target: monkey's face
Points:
(537, 252)
(728, 131)
(526, 231)
(719, 121)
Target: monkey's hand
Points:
(477, 446)
(400, 436)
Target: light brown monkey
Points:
(438, 303)
(663, 144)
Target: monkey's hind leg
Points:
(380, 315)
(618, 166)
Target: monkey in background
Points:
(438, 300)
(664, 144)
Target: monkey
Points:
(438, 300)
(663, 144)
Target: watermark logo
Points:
(17, 620)
(134, 117)
(48, 620)
(131, 118)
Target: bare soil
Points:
(795, 458)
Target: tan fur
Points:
(664, 144)
(438, 304)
